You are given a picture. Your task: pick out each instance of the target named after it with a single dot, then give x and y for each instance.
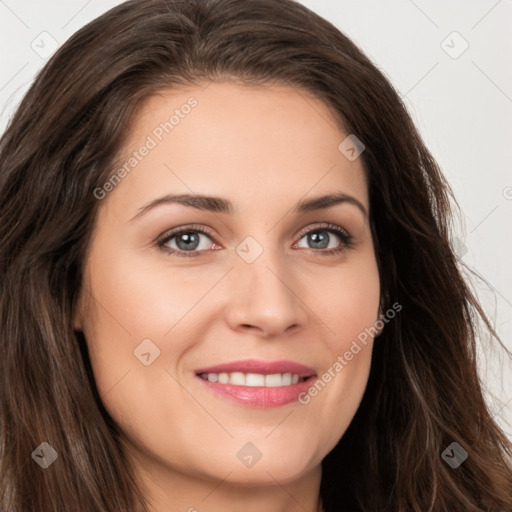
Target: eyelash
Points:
(346, 239)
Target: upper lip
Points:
(261, 367)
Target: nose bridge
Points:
(264, 293)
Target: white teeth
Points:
(287, 379)
(252, 379)
(237, 378)
(273, 380)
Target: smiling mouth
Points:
(256, 383)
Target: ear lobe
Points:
(77, 326)
(77, 323)
(77, 316)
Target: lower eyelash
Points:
(347, 240)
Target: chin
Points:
(284, 463)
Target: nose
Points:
(265, 297)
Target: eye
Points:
(318, 238)
(187, 241)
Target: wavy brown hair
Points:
(424, 391)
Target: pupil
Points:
(315, 239)
(186, 240)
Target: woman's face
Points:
(169, 319)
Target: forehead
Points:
(255, 144)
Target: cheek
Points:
(140, 308)
(350, 302)
(134, 301)
(350, 310)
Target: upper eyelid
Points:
(177, 231)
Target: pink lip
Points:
(260, 396)
(262, 367)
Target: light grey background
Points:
(460, 99)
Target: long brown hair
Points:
(423, 392)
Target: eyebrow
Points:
(221, 205)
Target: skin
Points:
(264, 148)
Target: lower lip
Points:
(260, 396)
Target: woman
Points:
(315, 352)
